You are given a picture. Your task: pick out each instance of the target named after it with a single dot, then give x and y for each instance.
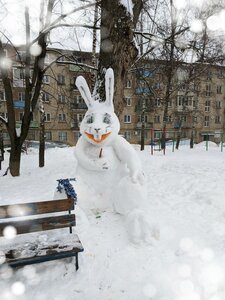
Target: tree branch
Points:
(48, 27)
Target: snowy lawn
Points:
(183, 260)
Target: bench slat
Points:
(41, 224)
(39, 259)
(36, 208)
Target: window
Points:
(2, 95)
(157, 86)
(209, 75)
(79, 99)
(208, 90)
(195, 103)
(48, 135)
(207, 105)
(194, 119)
(168, 119)
(170, 103)
(18, 74)
(61, 79)
(220, 73)
(190, 100)
(217, 119)
(184, 118)
(81, 60)
(80, 117)
(21, 96)
(140, 118)
(219, 89)
(218, 104)
(46, 79)
(206, 121)
(62, 117)
(128, 83)
(127, 118)
(127, 135)
(5, 136)
(157, 102)
(128, 101)
(47, 117)
(180, 100)
(45, 97)
(61, 98)
(157, 119)
(62, 136)
(157, 134)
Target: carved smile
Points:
(103, 137)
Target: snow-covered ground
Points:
(184, 259)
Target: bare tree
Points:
(32, 81)
(117, 47)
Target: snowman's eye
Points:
(90, 119)
(107, 119)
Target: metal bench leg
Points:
(76, 262)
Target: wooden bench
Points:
(39, 217)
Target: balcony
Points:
(143, 90)
(75, 68)
(78, 106)
(139, 108)
(75, 125)
(183, 125)
(33, 124)
(148, 125)
(19, 104)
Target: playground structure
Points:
(171, 138)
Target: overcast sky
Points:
(13, 24)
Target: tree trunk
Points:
(192, 141)
(142, 136)
(178, 141)
(15, 157)
(117, 48)
(163, 138)
(42, 145)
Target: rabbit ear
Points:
(84, 90)
(109, 86)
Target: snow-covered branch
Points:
(56, 23)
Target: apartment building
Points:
(195, 105)
(195, 99)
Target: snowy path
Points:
(185, 258)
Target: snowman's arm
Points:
(84, 160)
(128, 156)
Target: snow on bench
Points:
(27, 218)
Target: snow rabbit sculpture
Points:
(107, 164)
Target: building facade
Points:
(194, 101)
